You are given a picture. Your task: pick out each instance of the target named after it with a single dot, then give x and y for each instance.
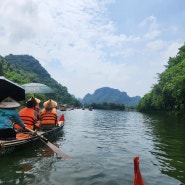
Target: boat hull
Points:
(7, 147)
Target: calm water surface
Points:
(103, 145)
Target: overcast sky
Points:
(89, 44)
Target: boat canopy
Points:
(11, 89)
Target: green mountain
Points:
(110, 95)
(169, 93)
(23, 69)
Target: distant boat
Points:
(72, 108)
(63, 108)
(90, 108)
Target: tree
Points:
(169, 93)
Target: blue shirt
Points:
(8, 117)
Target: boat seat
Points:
(47, 126)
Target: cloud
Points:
(85, 47)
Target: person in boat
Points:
(49, 113)
(36, 107)
(8, 116)
(29, 116)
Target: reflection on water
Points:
(23, 166)
(169, 144)
(102, 145)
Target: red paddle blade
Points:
(138, 179)
(62, 118)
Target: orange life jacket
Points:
(28, 116)
(49, 117)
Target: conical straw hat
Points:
(36, 99)
(50, 104)
(9, 103)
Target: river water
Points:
(102, 145)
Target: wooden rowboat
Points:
(16, 92)
(10, 146)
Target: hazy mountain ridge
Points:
(110, 95)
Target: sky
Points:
(88, 44)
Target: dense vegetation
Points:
(169, 93)
(108, 106)
(23, 69)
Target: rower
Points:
(49, 114)
(9, 115)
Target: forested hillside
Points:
(169, 93)
(23, 69)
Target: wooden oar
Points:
(50, 145)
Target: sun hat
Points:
(30, 104)
(50, 104)
(9, 103)
(35, 99)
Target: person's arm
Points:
(17, 119)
